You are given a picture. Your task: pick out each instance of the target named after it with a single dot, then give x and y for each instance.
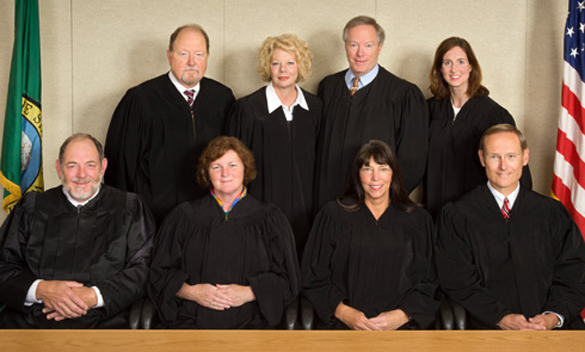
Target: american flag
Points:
(569, 171)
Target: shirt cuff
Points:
(561, 319)
(31, 295)
(100, 299)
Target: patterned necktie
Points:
(506, 209)
(190, 93)
(354, 87)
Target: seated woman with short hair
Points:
(368, 263)
(225, 260)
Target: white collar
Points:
(76, 203)
(181, 88)
(274, 103)
(500, 197)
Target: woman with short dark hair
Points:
(225, 260)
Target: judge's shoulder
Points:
(209, 85)
(334, 77)
(398, 88)
(470, 204)
(207, 206)
(249, 104)
(164, 82)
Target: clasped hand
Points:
(65, 299)
(356, 320)
(519, 322)
(218, 297)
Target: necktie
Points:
(506, 209)
(190, 93)
(354, 87)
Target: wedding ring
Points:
(212, 303)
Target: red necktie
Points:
(506, 209)
(190, 93)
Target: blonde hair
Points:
(291, 44)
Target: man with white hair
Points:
(162, 125)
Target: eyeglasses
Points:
(495, 158)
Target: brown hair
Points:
(291, 44)
(502, 128)
(98, 145)
(439, 87)
(382, 154)
(196, 28)
(215, 150)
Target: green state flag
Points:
(21, 167)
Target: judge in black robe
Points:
(453, 167)
(532, 263)
(389, 109)
(376, 264)
(285, 155)
(512, 258)
(106, 243)
(153, 143)
(201, 243)
(284, 144)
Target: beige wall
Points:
(93, 51)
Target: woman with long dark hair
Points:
(368, 261)
(460, 112)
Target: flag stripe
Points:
(564, 171)
(569, 126)
(569, 153)
(572, 80)
(571, 103)
(562, 191)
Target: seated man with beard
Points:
(76, 256)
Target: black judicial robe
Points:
(373, 266)
(453, 166)
(196, 244)
(107, 243)
(284, 153)
(153, 144)
(532, 263)
(389, 109)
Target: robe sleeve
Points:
(15, 277)
(128, 285)
(412, 136)
(166, 273)
(281, 284)
(421, 303)
(458, 273)
(127, 141)
(316, 270)
(240, 123)
(567, 292)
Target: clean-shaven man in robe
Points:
(513, 258)
(379, 105)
